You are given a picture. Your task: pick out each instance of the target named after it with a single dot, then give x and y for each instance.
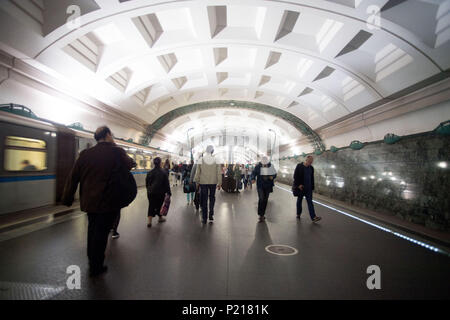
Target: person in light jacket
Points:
(209, 176)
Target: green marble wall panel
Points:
(409, 179)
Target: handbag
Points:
(189, 187)
(165, 207)
(295, 190)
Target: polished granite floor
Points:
(183, 259)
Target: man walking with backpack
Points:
(94, 170)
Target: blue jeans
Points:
(204, 190)
(191, 194)
(308, 195)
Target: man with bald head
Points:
(303, 186)
(93, 170)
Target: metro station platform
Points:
(227, 259)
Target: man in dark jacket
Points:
(157, 183)
(93, 170)
(264, 173)
(304, 182)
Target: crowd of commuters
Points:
(102, 171)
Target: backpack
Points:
(121, 188)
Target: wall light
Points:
(442, 165)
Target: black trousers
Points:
(263, 195)
(155, 202)
(99, 226)
(116, 223)
(206, 189)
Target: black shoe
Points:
(97, 272)
(149, 225)
(298, 217)
(115, 235)
(211, 217)
(262, 218)
(316, 218)
(204, 221)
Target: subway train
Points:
(37, 155)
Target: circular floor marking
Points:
(281, 250)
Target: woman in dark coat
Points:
(157, 183)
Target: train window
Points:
(25, 154)
(140, 162)
(147, 162)
(25, 143)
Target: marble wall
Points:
(409, 179)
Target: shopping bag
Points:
(165, 207)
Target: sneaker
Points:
(115, 235)
(316, 219)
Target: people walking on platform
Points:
(191, 181)
(157, 184)
(98, 193)
(249, 172)
(189, 187)
(303, 186)
(243, 184)
(166, 167)
(265, 174)
(209, 176)
(237, 177)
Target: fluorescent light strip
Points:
(420, 243)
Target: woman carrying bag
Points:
(158, 192)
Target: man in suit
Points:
(304, 182)
(93, 170)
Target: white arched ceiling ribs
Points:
(363, 79)
(131, 91)
(260, 79)
(121, 63)
(338, 13)
(330, 36)
(393, 29)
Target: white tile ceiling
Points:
(319, 60)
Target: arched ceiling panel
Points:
(313, 60)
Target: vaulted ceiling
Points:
(317, 60)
